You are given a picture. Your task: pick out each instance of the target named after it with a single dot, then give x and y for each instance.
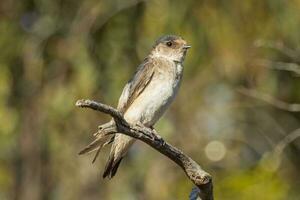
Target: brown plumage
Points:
(145, 97)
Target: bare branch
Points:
(288, 139)
(102, 108)
(272, 160)
(194, 172)
(291, 107)
(279, 46)
(284, 66)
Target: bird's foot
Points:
(157, 137)
(140, 124)
(153, 135)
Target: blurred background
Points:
(236, 112)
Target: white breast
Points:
(156, 97)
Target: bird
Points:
(145, 97)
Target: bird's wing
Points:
(131, 91)
(136, 85)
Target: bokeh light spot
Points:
(215, 150)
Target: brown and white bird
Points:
(146, 96)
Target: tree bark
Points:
(194, 172)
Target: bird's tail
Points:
(111, 166)
(100, 141)
(118, 150)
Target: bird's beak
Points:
(187, 46)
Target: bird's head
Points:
(170, 47)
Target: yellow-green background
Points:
(53, 52)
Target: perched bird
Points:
(146, 96)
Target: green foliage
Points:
(55, 52)
(251, 184)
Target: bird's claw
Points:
(160, 140)
(153, 135)
(157, 137)
(139, 124)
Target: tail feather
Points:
(100, 141)
(97, 153)
(118, 150)
(111, 167)
(115, 168)
(108, 166)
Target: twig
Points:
(272, 160)
(291, 107)
(286, 141)
(194, 172)
(279, 46)
(284, 66)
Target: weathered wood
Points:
(194, 172)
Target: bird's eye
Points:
(169, 44)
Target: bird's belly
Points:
(153, 101)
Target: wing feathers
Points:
(131, 91)
(136, 85)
